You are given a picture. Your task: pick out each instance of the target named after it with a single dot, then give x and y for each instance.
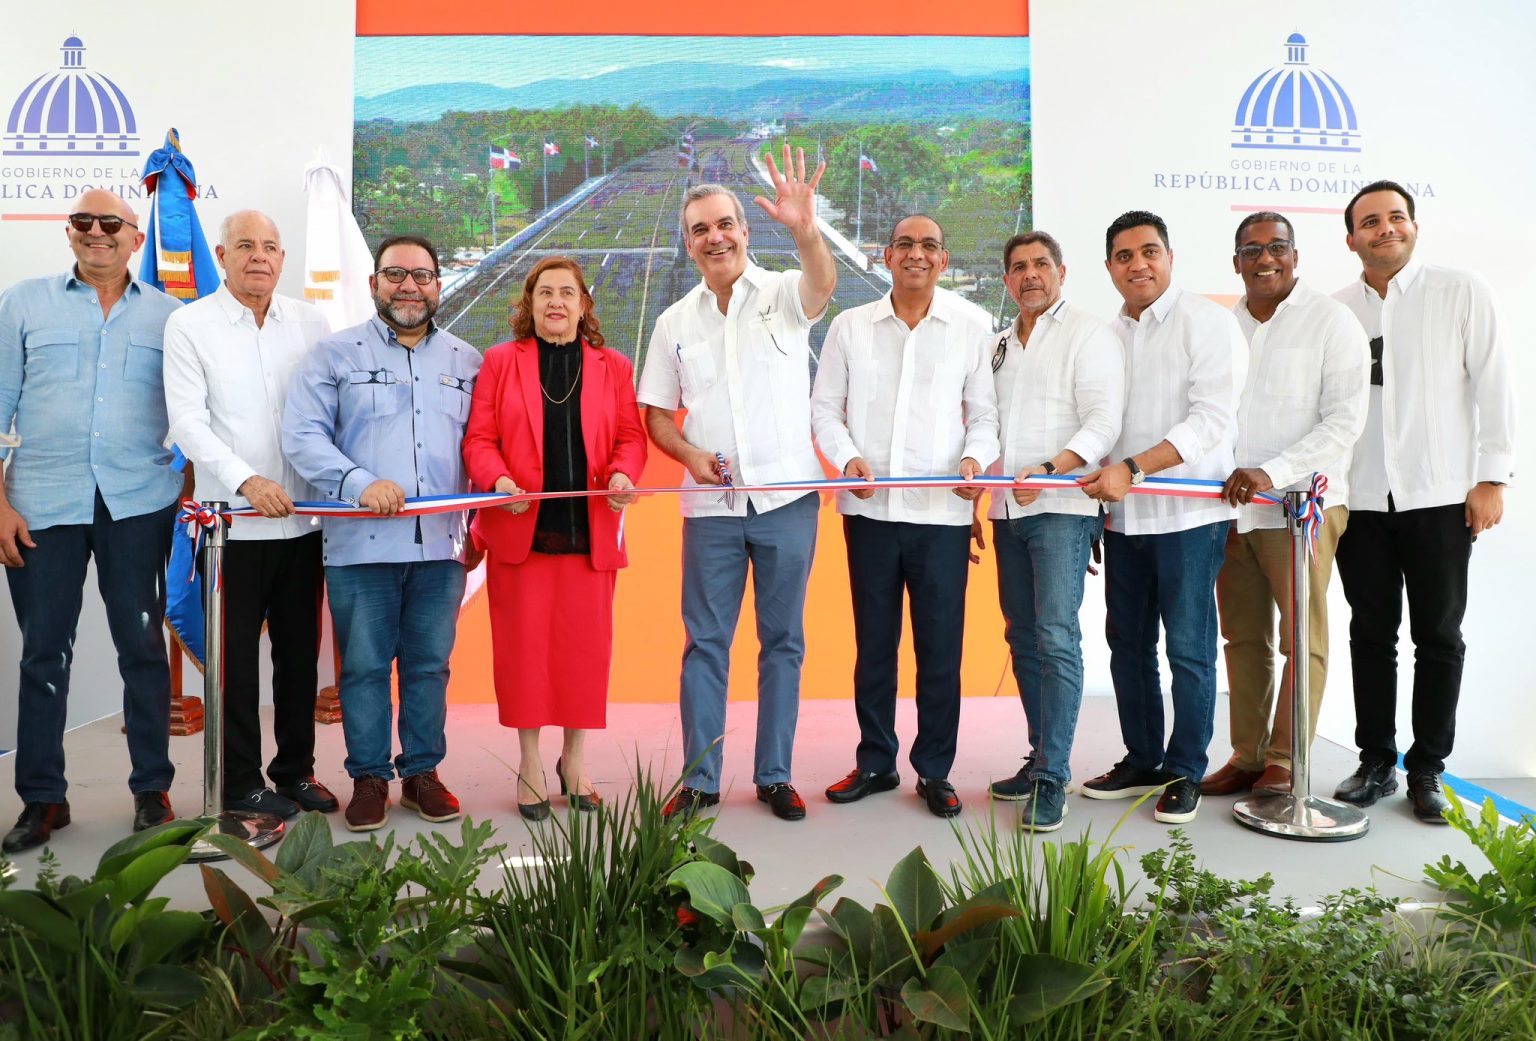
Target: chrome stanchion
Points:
(259, 830)
(1298, 814)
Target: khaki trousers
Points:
(1254, 582)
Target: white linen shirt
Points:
(1064, 388)
(225, 384)
(1443, 419)
(1185, 364)
(745, 379)
(1304, 403)
(913, 402)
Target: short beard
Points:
(387, 311)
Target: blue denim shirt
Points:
(88, 400)
(363, 408)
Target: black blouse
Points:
(562, 525)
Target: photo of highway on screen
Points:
(504, 150)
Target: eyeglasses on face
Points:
(424, 276)
(1277, 248)
(110, 223)
(906, 245)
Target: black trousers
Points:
(929, 562)
(1427, 552)
(277, 581)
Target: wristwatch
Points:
(1048, 466)
(1136, 475)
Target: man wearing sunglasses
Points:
(1302, 410)
(375, 415)
(904, 389)
(228, 360)
(80, 375)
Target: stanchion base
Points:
(257, 830)
(1309, 819)
(7, 870)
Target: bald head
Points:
(99, 200)
(101, 258)
(251, 253)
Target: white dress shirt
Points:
(1185, 364)
(1304, 402)
(912, 402)
(745, 379)
(225, 384)
(1062, 389)
(1444, 417)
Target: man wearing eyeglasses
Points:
(375, 415)
(80, 375)
(1428, 478)
(229, 358)
(1302, 409)
(1060, 378)
(735, 352)
(904, 390)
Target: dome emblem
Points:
(71, 111)
(1297, 107)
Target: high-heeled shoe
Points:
(584, 803)
(533, 811)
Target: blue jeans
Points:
(385, 613)
(1172, 578)
(779, 545)
(131, 554)
(1041, 561)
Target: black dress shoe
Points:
(1429, 802)
(860, 783)
(37, 821)
(1368, 783)
(150, 809)
(688, 801)
(940, 796)
(311, 795)
(783, 800)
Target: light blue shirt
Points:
(88, 399)
(364, 408)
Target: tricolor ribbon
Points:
(1310, 514)
(199, 518)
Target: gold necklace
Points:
(574, 384)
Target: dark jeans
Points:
(1427, 551)
(390, 616)
(929, 562)
(277, 581)
(1169, 578)
(46, 592)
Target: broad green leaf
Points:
(967, 956)
(890, 956)
(914, 891)
(1047, 983)
(247, 856)
(125, 851)
(167, 986)
(747, 918)
(819, 890)
(712, 890)
(136, 879)
(77, 902)
(793, 923)
(236, 910)
(973, 915)
(307, 839)
(855, 924)
(944, 1001)
(160, 934)
(717, 852)
(35, 914)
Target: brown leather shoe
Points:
(1229, 780)
(369, 808)
(1275, 780)
(425, 794)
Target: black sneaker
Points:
(1179, 803)
(1124, 781)
(263, 800)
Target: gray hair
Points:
(704, 191)
(227, 226)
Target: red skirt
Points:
(551, 640)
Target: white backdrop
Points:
(1135, 107)
(254, 92)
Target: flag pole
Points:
(858, 215)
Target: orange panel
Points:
(656, 18)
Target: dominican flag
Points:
(504, 159)
(592, 142)
(866, 163)
(550, 148)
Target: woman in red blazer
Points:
(553, 410)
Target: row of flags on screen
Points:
(506, 159)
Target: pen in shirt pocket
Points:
(767, 317)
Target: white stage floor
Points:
(861, 841)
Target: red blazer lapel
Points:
(533, 397)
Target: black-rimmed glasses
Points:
(423, 276)
(110, 223)
(1277, 248)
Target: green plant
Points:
(1502, 899)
